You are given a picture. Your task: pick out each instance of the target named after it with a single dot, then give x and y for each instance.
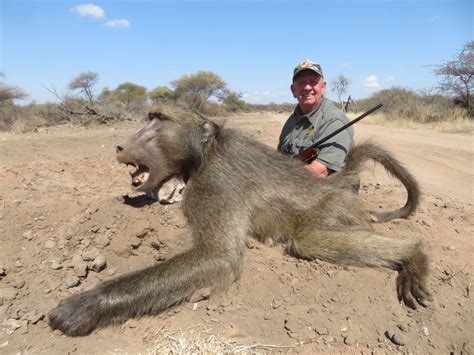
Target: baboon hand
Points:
(76, 315)
(411, 289)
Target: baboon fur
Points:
(237, 187)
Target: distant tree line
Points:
(208, 93)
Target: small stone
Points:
(24, 329)
(132, 323)
(144, 233)
(18, 284)
(99, 263)
(80, 269)
(10, 325)
(425, 331)
(90, 254)
(321, 330)
(55, 265)
(33, 316)
(328, 339)
(135, 243)
(8, 294)
(71, 281)
(3, 271)
(402, 327)
(348, 340)
(28, 235)
(395, 337)
(102, 241)
(50, 244)
(267, 316)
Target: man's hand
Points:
(317, 169)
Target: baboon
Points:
(237, 187)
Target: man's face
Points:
(308, 88)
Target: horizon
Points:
(252, 45)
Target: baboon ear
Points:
(210, 129)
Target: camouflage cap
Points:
(308, 65)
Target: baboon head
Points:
(167, 146)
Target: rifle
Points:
(312, 151)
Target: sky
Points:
(253, 45)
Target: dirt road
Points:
(62, 209)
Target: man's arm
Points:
(317, 169)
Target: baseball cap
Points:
(308, 65)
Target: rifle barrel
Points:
(355, 120)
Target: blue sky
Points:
(252, 45)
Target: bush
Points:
(404, 104)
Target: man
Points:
(314, 118)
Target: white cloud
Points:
(89, 10)
(265, 97)
(347, 65)
(390, 79)
(371, 82)
(118, 23)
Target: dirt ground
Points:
(66, 223)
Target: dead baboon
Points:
(237, 187)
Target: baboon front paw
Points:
(412, 290)
(76, 315)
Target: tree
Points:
(340, 86)
(161, 94)
(233, 102)
(9, 93)
(85, 82)
(457, 77)
(196, 89)
(133, 96)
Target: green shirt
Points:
(300, 131)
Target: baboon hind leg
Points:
(366, 248)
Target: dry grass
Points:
(201, 340)
(455, 124)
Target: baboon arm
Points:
(147, 291)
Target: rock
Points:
(3, 271)
(90, 254)
(102, 241)
(132, 323)
(24, 329)
(8, 293)
(28, 235)
(80, 269)
(321, 330)
(403, 328)
(328, 339)
(71, 281)
(395, 337)
(10, 325)
(425, 331)
(135, 243)
(348, 340)
(18, 284)
(50, 244)
(144, 233)
(33, 316)
(99, 263)
(55, 265)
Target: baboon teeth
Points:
(140, 179)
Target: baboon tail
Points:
(370, 151)
(367, 248)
